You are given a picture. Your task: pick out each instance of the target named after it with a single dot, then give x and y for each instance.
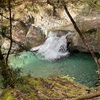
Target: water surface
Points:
(81, 66)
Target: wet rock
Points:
(6, 45)
(90, 30)
(41, 16)
(33, 38)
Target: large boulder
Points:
(41, 16)
(28, 35)
(6, 45)
(90, 30)
(23, 40)
(34, 36)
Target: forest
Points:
(49, 49)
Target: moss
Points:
(7, 95)
(34, 82)
(30, 8)
(52, 88)
(33, 95)
(25, 88)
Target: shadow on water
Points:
(79, 65)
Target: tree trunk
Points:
(1, 55)
(7, 74)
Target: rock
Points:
(99, 60)
(0, 91)
(19, 30)
(58, 32)
(35, 36)
(1, 40)
(6, 45)
(90, 30)
(41, 16)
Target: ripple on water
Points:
(81, 66)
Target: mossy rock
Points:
(30, 88)
(7, 95)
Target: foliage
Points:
(7, 96)
(6, 79)
(4, 31)
(55, 3)
(16, 74)
(94, 5)
(41, 88)
(25, 89)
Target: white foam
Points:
(54, 47)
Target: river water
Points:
(79, 65)
(53, 58)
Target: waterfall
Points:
(54, 47)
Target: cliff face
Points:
(45, 18)
(91, 32)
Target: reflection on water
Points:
(81, 66)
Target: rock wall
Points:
(40, 15)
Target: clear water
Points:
(81, 66)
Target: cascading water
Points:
(79, 65)
(54, 47)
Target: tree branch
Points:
(11, 83)
(82, 37)
(9, 18)
(21, 45)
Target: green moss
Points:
(6, 95)
(33, 95)
(52, 88)
(34, 82)
(25, 88)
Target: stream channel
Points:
(79, 65)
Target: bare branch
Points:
(82, 37)
(21, 45)
(9, 18)
(11, 83)
(10, 33)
